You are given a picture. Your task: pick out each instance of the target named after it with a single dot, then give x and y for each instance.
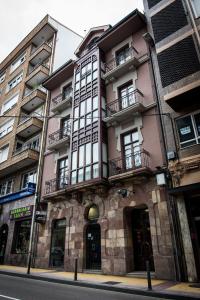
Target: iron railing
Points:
(122, 103)
(56, 184)
(121, 59)
(62, 97)
(59, 135)
(133, 161)
(24, 118)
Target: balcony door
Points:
(132, 153)
(126, 96)
(123, 55)
(62, 173)
(65, 123)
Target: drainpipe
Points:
(33, 232)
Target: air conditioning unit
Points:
(171, 155)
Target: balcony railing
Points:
(59, 135)
(121, 59)
(26, 147)
(56, 184)
(25, 118)
(60, 98)
(138, 159)
(38, 47)
(124, 102)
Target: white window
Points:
(16, 80)
(4, 153)
(20, 60)
(196, 7)
(6, 187)
(9, 104)
(6, 127)
(2, 78)
(29, 177)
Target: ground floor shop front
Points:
(113, 232)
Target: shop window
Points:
(189, 130)
(21, 237)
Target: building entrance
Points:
(3, 241)
(142, 246)
(58, 243)
(93, 247)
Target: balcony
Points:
(120, 109)
(134, 164)
(59, 138)
(61, 102)
(55, 185)
(40, 53)
(37, 75)
(29, 125)
(33, 100)
(118, 67)
(22, 158)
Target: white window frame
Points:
(32, 172)
(6, 147)
(18, 62)
(15, 81)
(15, 97)
(6, 187)
(7, 127)
(196, 136)
(2, 78)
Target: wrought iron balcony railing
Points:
(59, 135)
(60, 98)
(26, 147)
(121, 59)
(56, 184)
(124, 102)
(133, 161)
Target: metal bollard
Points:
(148, 275)
(75, 269)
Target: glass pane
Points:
(197, 122)
(135, 136)
(104, 149)
(88, 153)
(76, 110)
(103, 103)
(82, 122)
(95, 116)
(81, 155)
(88, 119)
(88, 173)
(89, 67)
(77, 86)
(82, 109)
(95, 151)
(185, 129)
(105, 171)
(89, 78)
(95, 171)
(80, 175)
(94, 65)
(95, 102)
(88, 105)
(83, 71)
(73, 177)
(75, 125)
(127, 139)
(77, 77)
(83, 82)
(74, 160)
(94, 76)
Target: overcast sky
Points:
(18, 17)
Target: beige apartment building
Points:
(23, 103)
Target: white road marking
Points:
(7, 297)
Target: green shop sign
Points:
(21, 212)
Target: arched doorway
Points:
(58, 243)
(93, 239)
(3, 241)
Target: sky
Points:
(19, 17)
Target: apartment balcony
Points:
(122, 108)
(55, 187)
(61, 102)
(134, 164)
(22, 158)
(33, 100)
(37, 75)
(29, 125)
(40, 53)
(116, 68)
(59, 139)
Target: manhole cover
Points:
(112, 282)
(195, 285)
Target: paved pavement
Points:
(161, 288)
(28, 289)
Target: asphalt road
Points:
(15, 288)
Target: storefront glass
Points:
(21, 236)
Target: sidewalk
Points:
(161, 288)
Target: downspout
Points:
(34, 227)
